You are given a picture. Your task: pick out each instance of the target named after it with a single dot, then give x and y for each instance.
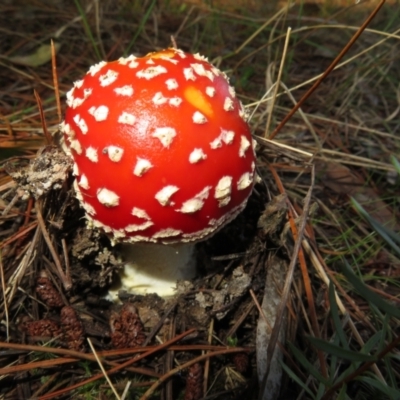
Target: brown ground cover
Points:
(338, 325)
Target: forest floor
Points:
(319, 237)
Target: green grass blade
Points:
(342, 395)
(370, 345)
(321, 391)
(384, 333)
(390, 392)
(367, 293)
(331, 348)
(307, 365)
(87, 29)
(374, 342)
(395, 163)
(336, 318)
(391, 373)
(140, 27)
(333, 363)
(387, 235)
(375, 224)
(349, 370)
(299, 381)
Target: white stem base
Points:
(153, 268)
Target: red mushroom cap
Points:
(162, 151)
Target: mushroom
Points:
(163, 158)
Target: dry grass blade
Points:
(103, 370)
(340, 65)
(334, 63)
(16, 277)
(65, 279)
(275, 17)
(278, 81)
(297, 252)
(3, 286)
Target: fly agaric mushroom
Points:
(162, 155)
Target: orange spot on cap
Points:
(196, 98)
(165, 53)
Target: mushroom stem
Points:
(154, 268)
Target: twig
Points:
(173, 42)
(169, 357)
(106, 353)
(19, 235)
(174, 371)
(70, 357)
(239, 321)
(55, 79)
(260, 310)
(8, 185)
(159, 324)
(46, 384)
(47, 135)
(10, 205)
(120, 366)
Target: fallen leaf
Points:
(41, 56)
(342, 180)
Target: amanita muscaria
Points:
(162, 156)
